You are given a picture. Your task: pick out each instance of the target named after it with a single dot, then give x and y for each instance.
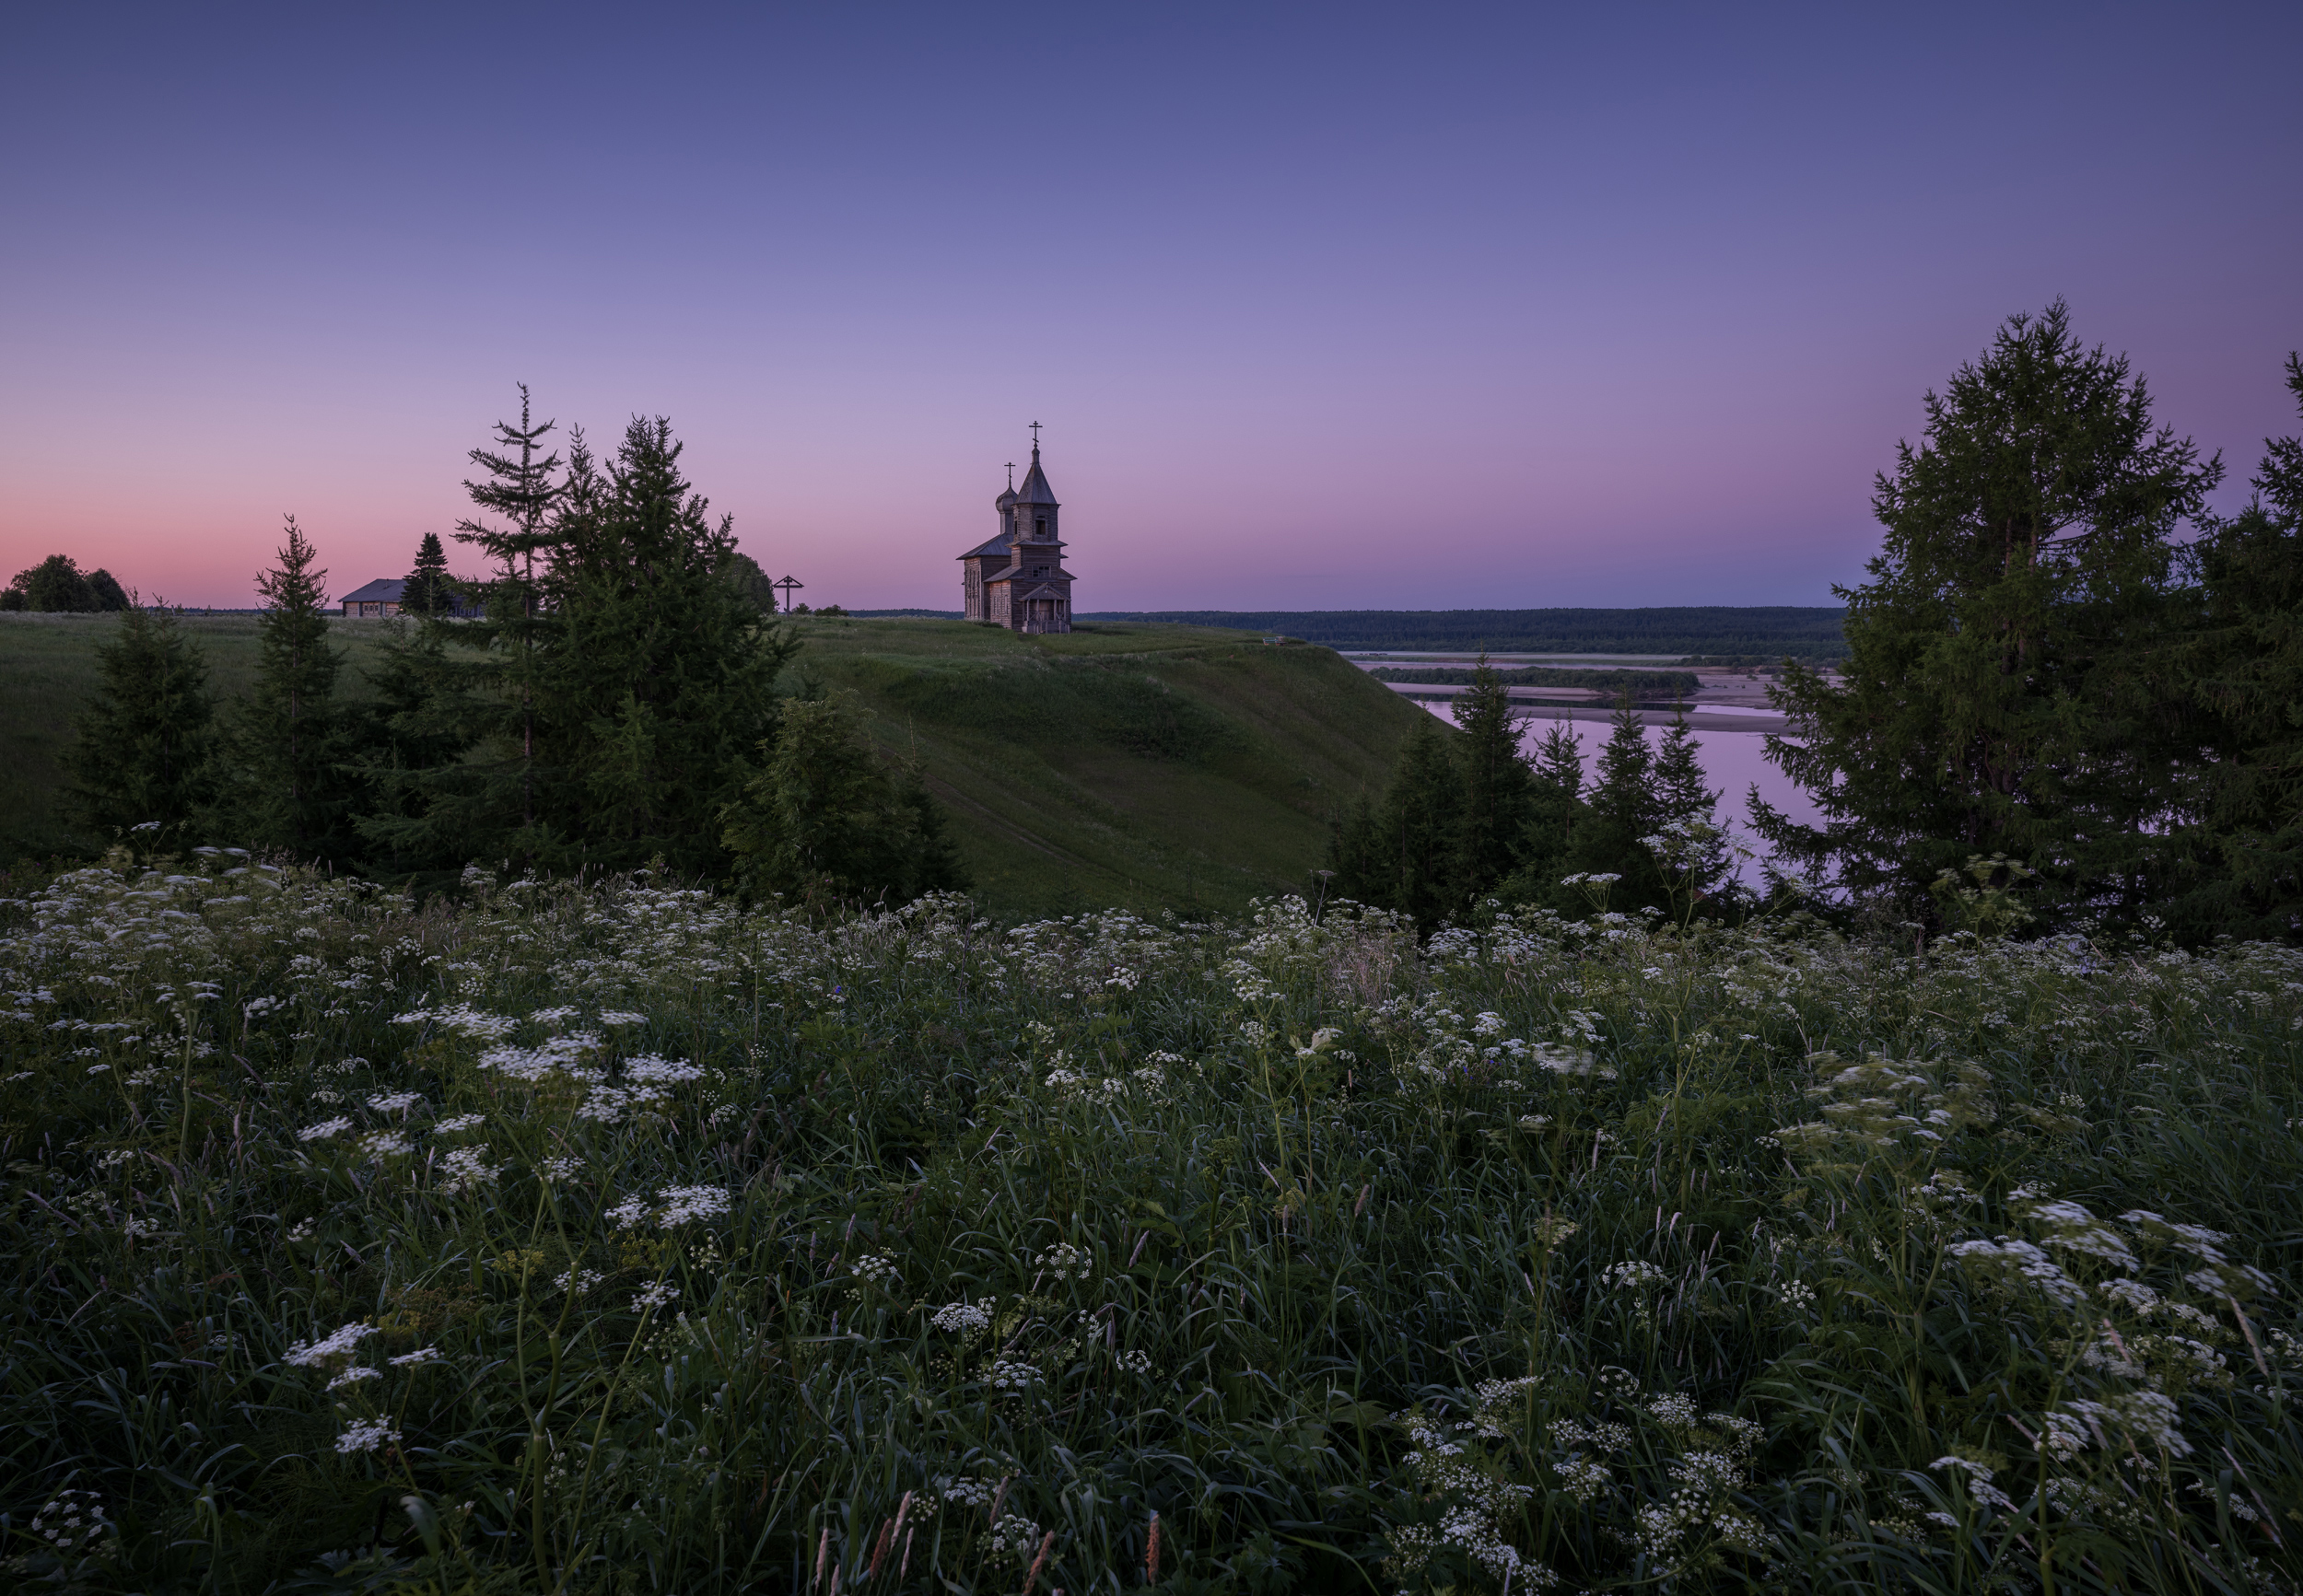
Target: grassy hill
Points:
(48, 671)
(1139, 766)
(1145, 766)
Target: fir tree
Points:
(826, 820)
(1693, 856)
(502, 793)
(664, 679)
(1497, 789)
(1402, 854)
(285, 782)
(428, 590)
(2000, 695)
(140, 762)
(2245, 667)
(411, 734)
(1555, 809)
(1621, 814)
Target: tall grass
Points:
(617, 1238)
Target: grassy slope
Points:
(1136, 765)
(1144, 766)
(48, 671)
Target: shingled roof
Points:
(1035, 489)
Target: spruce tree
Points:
(1402, 854)
(826, 820)
(411, 734)
(459, 769)
(2001, 692)
(285, 782)
(1622, 813)
(139, 764)
(1555, 809)
(662, 683)
(1496, 805)
(1694, 857)
(505, 792)
(428, 589)
(2245, 670)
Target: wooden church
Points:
(1018, 579)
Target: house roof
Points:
(1015, 574)
(384, 589)
(996, 549)
(1035, 489)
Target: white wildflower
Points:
(364, 1435)
(336, 1344)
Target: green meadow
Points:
(1125, 765)
(619, 1238)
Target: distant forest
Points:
(1810, 634)
(1768, 631)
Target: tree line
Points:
(1473, 815)
(2073, 699)
(607, 695)
(58, 586)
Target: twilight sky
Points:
(1323, 306)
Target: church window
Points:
(1041, 524)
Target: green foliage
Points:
(57, 584)
(2244, 663)
(282, 777)
(618, 1238)
(1498, 791)
(143, 741)
(828, 821)
(50, 672)
(1556, 811)
(1404, 854)
(662, 682)
(2003, 691)
(744, 574)
(429, 590)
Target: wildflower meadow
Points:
(610, 1235)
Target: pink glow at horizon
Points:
(1324, 309)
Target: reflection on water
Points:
(1733, 762)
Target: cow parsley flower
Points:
(963, 1318)
(324, 1129)
(1064, 1262)
(465, 1169)
(1631, 1276)
(337, 1344)
(648, 1069)
(364, 1435)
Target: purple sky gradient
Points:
(1431, 305)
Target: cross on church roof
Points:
(1035, 438)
